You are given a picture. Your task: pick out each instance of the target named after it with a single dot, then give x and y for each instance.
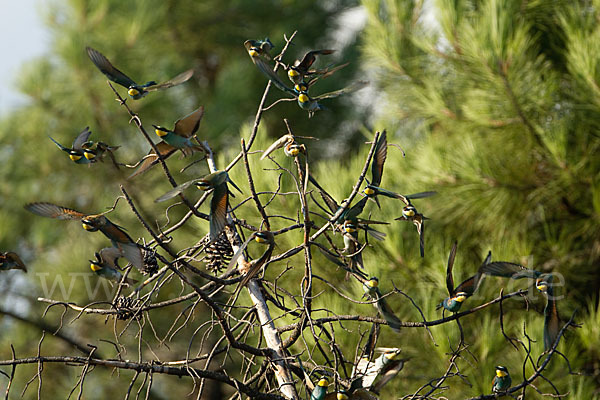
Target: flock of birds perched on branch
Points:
(342, 218)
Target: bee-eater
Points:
(543, 283)
(252, 268)
(107, 267)
(91, 223)
(134, 90)
(301, 68)
(312, 104)
(290, 147)
(466, 289)
(300, 90)
(373, 189)
(502, 380)
(84, 151)
(371, 288)
(172, 140)
(10, 260)
(320, 389)
(220, 198)
(259, 48)
(410, 213)
(184, 130)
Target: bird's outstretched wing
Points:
(108, 69)
(178, 80)
(50, 210)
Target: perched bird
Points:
(251, 269)
(551, 317)
(349, 224)
(172, 140)
(134, 90)
(371, 288)
(10, 260)
(220, 198)
(290, 147)
(320, 389)
(502, 380)
(184, 130)
(300, 91)
(461, 292)
(259, 48)
(341, 395)
(543, 283)
(91, 223)
(353, 248)
(107, 267)
(301, 68)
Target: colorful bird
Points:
(371, 288)
(184, 130)
(410, 213)
(349, 214)
(107, 267)
(466, 289)
(290, 147)
(373, 189)
(251, 269)
(377, 164)
(320, 390)
(502, 380)
(353, 248)
(543, 283)
(349, 224)
(172, 140)
(259, 48)
(300, 91)
(387, 365)
(91, 223)
(95, 151)
(77, 152)
(301, 68)
(220, 198)
(10, 260)
(134, 90)
(551, 317)
(312, 104)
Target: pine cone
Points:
(124, 306)
(218, 254)
(150, 262)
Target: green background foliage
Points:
(496, 104)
